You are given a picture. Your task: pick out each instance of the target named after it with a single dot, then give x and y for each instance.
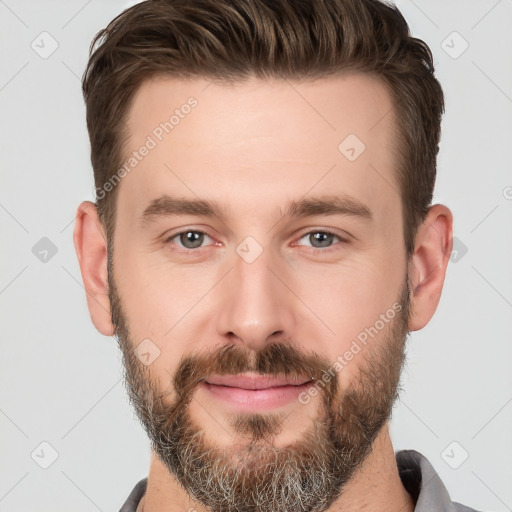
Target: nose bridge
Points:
(256, 304)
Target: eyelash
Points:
(314, 250)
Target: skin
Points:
(251, 147)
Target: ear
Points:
(427, 267)
(91, 248)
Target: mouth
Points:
(249, 392)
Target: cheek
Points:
(349, 296)
(156, 294)
(167, 307)
(350, 308)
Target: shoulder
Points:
(462, 508)
(422, 482)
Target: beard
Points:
(253, 474)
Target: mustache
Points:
(276, 359)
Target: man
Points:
(262, 242)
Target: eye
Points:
(189, 239)
(321, 239)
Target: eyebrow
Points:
(342, 204)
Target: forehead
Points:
(260, 140)
(333, 106)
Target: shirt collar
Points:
(423, 483)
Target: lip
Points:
(254, 381)
(253, 392)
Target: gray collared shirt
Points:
(418, 477)
(424, 485)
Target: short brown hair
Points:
(294, 39)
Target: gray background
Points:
(60, 380)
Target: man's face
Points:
(315, 296)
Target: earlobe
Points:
(427, 268)
(91, 249)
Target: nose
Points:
(257, 308)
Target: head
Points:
(264, 175)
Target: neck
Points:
(376, 486)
